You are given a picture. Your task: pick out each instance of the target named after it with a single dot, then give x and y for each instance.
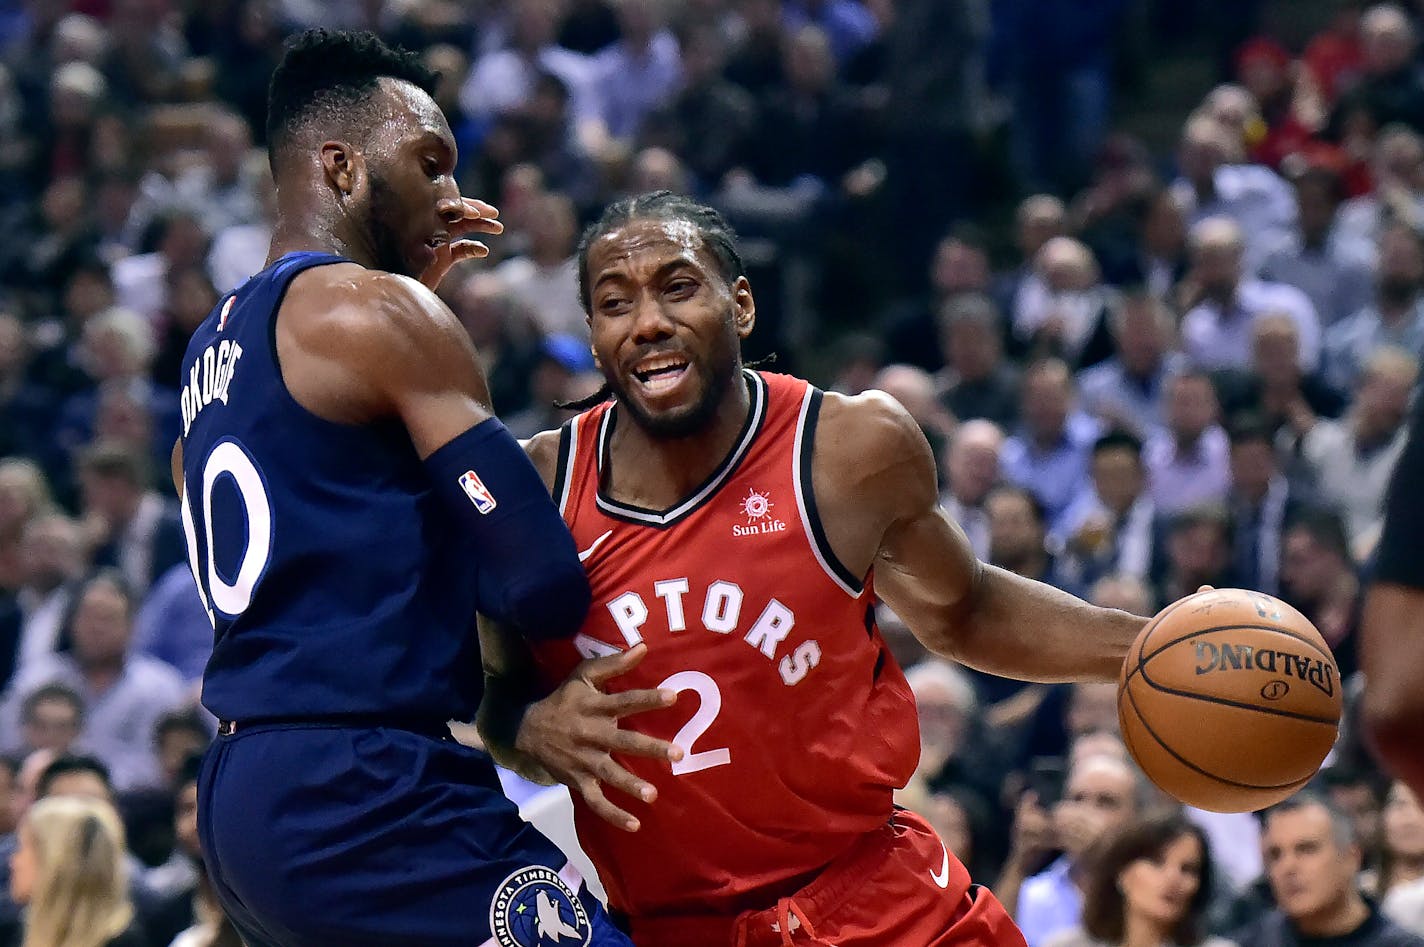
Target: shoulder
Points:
(870, 422)
(543, 451)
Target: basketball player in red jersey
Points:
(738, 528)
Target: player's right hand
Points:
(574, 732)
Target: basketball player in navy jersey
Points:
(738, 528)
(350, 502)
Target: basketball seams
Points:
(1244, 625)
(1239, 705)
(1132, 700)
(1146, 633)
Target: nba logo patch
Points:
(533, 907)
(476, 490)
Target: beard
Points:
(385, 242)
(686, 421)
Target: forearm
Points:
(1019, 628)
(501, 713)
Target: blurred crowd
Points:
(1142, 371)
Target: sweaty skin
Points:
(656, 295)
(367, 340)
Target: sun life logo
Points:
(757, 506)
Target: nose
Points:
(650, 322)
(450, 209)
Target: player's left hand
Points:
(480, 217)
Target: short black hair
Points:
(663, 205)
(330, 75)
(183, 720)
(1251, 428)
(1035, 505)
(72, 763)
(51, 692)
(1118, 439)
(1325, 525)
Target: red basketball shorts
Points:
(896, 887)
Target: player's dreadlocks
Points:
(655, 205)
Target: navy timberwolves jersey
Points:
(335, 586)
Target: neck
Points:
(306, 228)
(1138, 931)
(657, 471)
(1407, 868)
(101, 675)
(1337, 919)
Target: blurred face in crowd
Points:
(102, 625)
(1117, 477)
(1205, 146)
(809, 65)
(81, 784)
(1098, 798)
(481, 302)
(1015, 533)
(1092, 708)
(1216, 259)
(1191, 407)
(1040, 219)
(190, 298)
(52, 724)
(112, 497)
(1401, 267)
(86, 294)
(1382, 399)
(1361, 805)
(1404, 823)
(553, 229)
(1275, 350)
(1198, 552)
(1387, 40)
(175, 746)
(972, 346)
(185, 819)
(1066, 265)
(1047, 397)
(1397, 159)
(951, 821)
(52, 548)
(973, 461)
(1311, 874)
(1308, 568)
(959, 267)
(1253, 464)
(1141, 334)
(1161, 889)
(1316, 199)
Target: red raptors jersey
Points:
(796, 722)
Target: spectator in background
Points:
(1318, 578)
(1397, 166)
(561, 375)
(506, 337)
(131, 526)
(179, 736)
(1275, 388)
(914, 329)
(639, 72)
(1049, 454)
(1159, 260)
(502, 80)
(1149, 884)
(1127, 391)
(55, 555)
(1198, 552)
(51, 718)
(545, 281)
(1214, 183)
(1334, 56)
(977, 382)
(1260, 502)
(1350, 460)
(172, 624)
(1188, 462)
(1100, 795)
(1312, 859)
(69, 873)
(847, 24)
(176, 238)
(1333, 271)
(124, 694)
(1394, 317)
(1018, 533)
(24, 495)
(944, 697)
(1391, 87)
(971, 464)
(1038, 219)
(914, 388)
(1065, 310)
(191, 297)
(1108, 529)
(1401, 879)
(1223, 303)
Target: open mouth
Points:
(661, 372)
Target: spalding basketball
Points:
(1229, 700)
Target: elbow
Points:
(550, 603)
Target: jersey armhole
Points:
(563, 471)
(802, 454)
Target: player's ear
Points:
(344, 166)
(744, 307)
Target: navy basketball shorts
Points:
(324, 836)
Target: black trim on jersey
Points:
(818, 533)
(562, 465)
(661, 519)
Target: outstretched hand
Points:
(480, 217)
(574, 732)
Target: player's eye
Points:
(432, 166)
(681, 288)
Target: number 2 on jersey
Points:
(711, 705)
